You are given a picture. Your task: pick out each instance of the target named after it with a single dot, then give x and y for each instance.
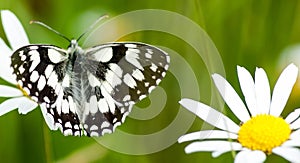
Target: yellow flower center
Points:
(264, 132)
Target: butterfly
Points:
(88, 91)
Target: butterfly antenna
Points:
(92, 26)
(51, 29)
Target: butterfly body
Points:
(88, 91)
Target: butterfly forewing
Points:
(132, 71)
(88, 91)
(41, 71)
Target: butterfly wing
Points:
(117, 76)
(42, 73)
(93, 92)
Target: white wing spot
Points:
(34, 76)
(153, 67)
(104, 55)
(130, 45)
(21, 69)
(48, 71)
(148, 55)
(47, 100)
(66, 81)
(52, 80)
(129, 81)
(112, 78)
(109, 100)
(116, 69)
(93, 105)
(151, 88)
(134, 50)
(94, 127)
(23, 57)
(33, 47)
(158, 81)
(168, 58)
(166, 67)
(116, 125)
(106, 131)
(138, 75)
(93, 80)
(150, 51)
(35, 58)
(71, 104)
(41, 83)
(105, 124)
(124, 116)
(68, 132)
(142, 97)
(126, 98)
(133, 59)
(55, 56)
(103, 105)
(68, 125)
(93, 133)
(65, 106)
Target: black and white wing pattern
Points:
(88, 92)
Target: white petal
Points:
(48, 118)
(8, 105)
(6, 91)
(248, 89)
(6, 70)
(14, 30)
(23, 104)
(250, 156)
(291, 143)
(5, 50)
(295, 124)
(283, 89)
(263, 93)
(208, 134)
(295, 135)
(290, 154)
(212, 146)
(293, 116)
(26, 105)
(231, 98)
(210, 115)
(221, 151)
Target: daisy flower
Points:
(16, 36)
(262, 130)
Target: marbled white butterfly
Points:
(88, 91)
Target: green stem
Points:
(47, 144)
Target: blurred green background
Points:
(247, 33)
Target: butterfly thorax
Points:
(74, 50)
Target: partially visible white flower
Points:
(290, 54)
(262, 131)
(17, 38)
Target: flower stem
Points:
(47, 144)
